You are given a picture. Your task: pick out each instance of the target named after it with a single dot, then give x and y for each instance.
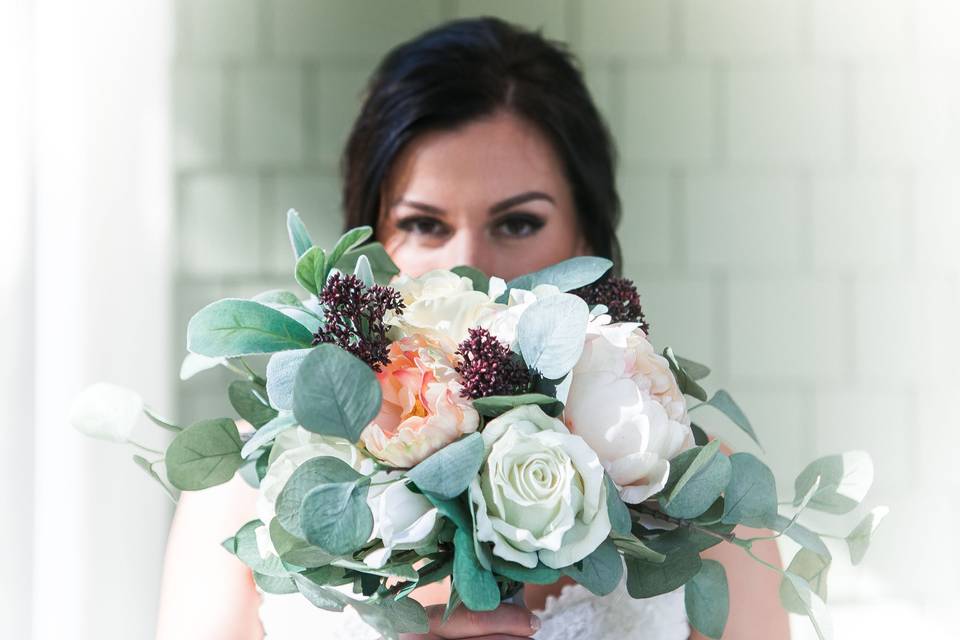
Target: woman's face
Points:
(491, 194)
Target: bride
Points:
(478, 144)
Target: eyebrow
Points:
(503, 205)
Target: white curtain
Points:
(85, 279)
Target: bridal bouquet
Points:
(406, 429)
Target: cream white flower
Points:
(503, 323)
(402, 519)
(106, 411)
(624, 401)
(292, 448)
(541, 494)
(442, 305)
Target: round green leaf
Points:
(601, 571)
(477, 587)
(859, 539)
(844, 482)
(249, 400)
(448, 472)
(312, 473)
(550, 333)
(235, 327)
(751, 497)
(566, 275)
(700, 485)
(204, 454)
(335, 393)
(707, 599)
(336, 517)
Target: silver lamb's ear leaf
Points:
(363, 271)
(299, 237)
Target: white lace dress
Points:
(576, 614)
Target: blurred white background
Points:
(790, 171)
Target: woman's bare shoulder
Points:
(206, 592)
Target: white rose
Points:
(402, 519)
(106, 411)
(292, 448)
(441, 304)
(624, 401)
(541, 493)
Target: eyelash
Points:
(411, 224)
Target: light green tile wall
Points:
(789, 174)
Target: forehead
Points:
(483, 161)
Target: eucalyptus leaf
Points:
(751, 496)
(601, 571)
(550, 333)
(813, 568)
(809, 604)
(147, 466)
(274, 584)
(633, 547)
(234, 327)
(194, 363)
(476, 586)
(566, 275)
(844, 482)
(541, 574)
(723, 402)
(647, 579)
(687, 383)
(858, 540)
(383, 267)
(695, 370)
(299, 237)
(326, 598)
(448, 472)
(700, 485)
(480, 280)
(619, 514)
(294, 550)
(336, 516)
(700, 437)
(393, 616)
(281, 375)
(204, 454)
(335, 393)
(493, 406)
(454, 510)
(707, 599)
(249, 400)
(267, 433)
(248, 552)
(312, 473)
(801, 535)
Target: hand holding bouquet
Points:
(407, 429)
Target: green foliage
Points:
(267, 433)
(566, 275)
(448, 472)
(476, 586)
(274, 584)
(299, 237)
(393, 616)
(844, 481)
(312, 473)
(336, 517)
(812, 568)
(705, 473)
(686, 381)
(455, 510)
(723, 402)
(858, 540)
(147, 466)
(550, 333)
(480, 280)
(204, 454)
(707, 599)
(801, 535)
(244, 546)
(281, 376)
(364, 272)
(751, 496)
(249, 400)
(380, 263)
(493, 406)
(296, 551)
(335, 393)
(601, 571)
(695, 370)
(234, 327)
(632, 547)
(310, 270)
(646, 579)
(619, 514)
(347, 241)
(541, 574)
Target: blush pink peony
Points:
(422, 408)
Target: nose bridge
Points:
(469, 248)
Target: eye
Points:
(518, 225)
(422, 226)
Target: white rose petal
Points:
(106, 411)
(402, 519)
(541, 495)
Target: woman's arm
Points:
(207, 593)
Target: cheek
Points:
(415, 260)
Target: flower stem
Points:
(144, 448)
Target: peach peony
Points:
(422, 408)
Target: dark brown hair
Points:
(466, 69)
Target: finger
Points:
(507, 619)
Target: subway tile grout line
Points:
(228, 113)
(678, 219)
